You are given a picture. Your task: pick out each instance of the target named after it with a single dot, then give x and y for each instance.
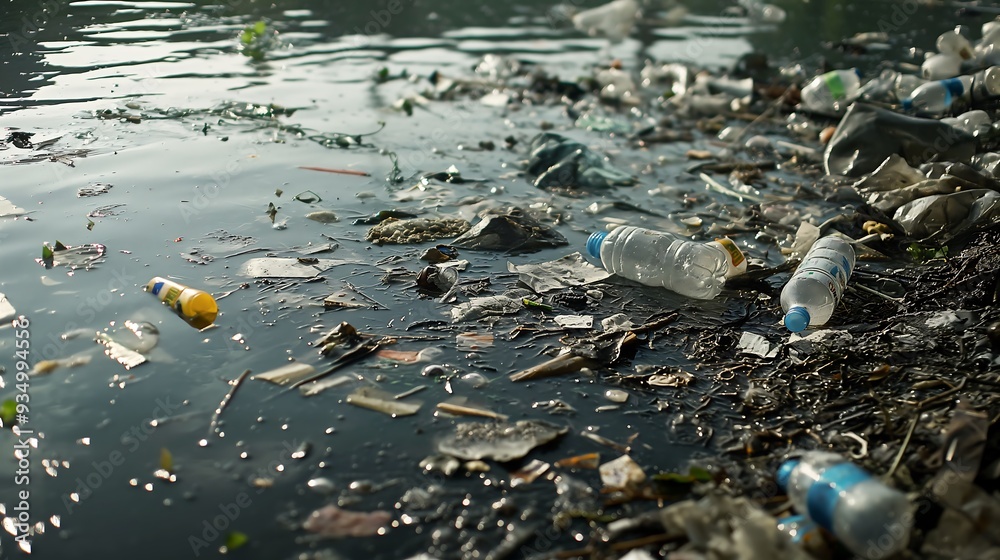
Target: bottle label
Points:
(736, 257)
(826, 272)
(170, 298)
(836, 85)
(823, 495)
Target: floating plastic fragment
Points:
(622, 472)
(378, 400)
(277, 267)
(331, 521)
(287, 374)
(6, 309)
(500, 441)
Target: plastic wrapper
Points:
(867, 135)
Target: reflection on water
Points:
(143, 96)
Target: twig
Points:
(340, 171)
(902, 448)
(358, 291)
(225, 401)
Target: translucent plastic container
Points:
(831, 92)
(810, 296)
(937, 97)
(655, 258)
(870, 518)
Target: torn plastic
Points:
(558, 161)
(867, 135)
(940, 218)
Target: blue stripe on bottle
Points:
(156, 288)
(954, 86)
(823, 495)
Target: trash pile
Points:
(863, 369)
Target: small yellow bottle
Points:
(196, 307)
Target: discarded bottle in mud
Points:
(196, 307)
(934, 98)
(871, 519)
(831, 92)
(954, 43)
(810, 296)
(655, 258)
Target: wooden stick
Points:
(341, 171)
(225, 401)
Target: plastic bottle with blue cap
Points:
(656, 258)
(938, 97)
(815, 289)
(868, 517)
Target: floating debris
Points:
(378, 400)
(323, 217)
(571, 270)
(499, 441)
(287, 374)
(332, 522)
(8, 209)
(7, 310)
(622, 473)
(529, 473)
(277, 267)
(94, 189)
(416, 230)
(585, 461)
(510, 230)
(459, 406)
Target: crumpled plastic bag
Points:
(939, 218)
(728, 528)
(558, 161)
(895, 183)
(867, 135)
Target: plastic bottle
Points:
(985, 85)
(941, 66)
(974, 123)
(871, 519)
(954, 43)
(934, 98)
(810, 296)
(832, 91)
(196, 307)
(655, 258)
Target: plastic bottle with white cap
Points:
(656, 258)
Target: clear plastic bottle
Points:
(941, 66)
(953, 42)
(832, 91)
(974, 123)
(656, 258)
(810, 296)
(934, 98)
(871, 519)
(986, 85)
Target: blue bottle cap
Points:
(908, 104)
(797, 319)
(858, 73)
(785, 473)
(594, 243)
